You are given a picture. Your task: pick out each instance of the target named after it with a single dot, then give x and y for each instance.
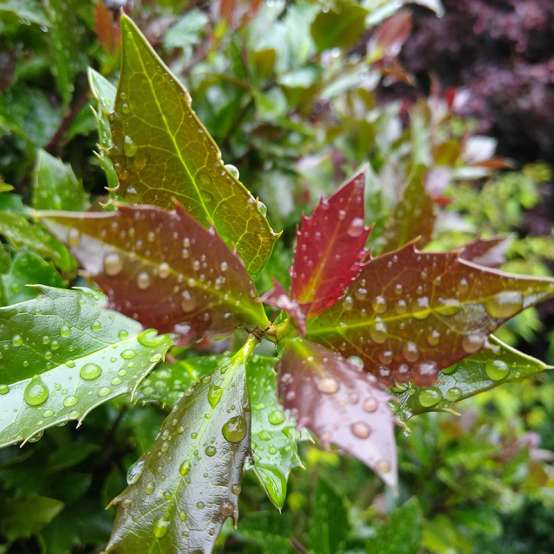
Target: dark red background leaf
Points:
(487, 252)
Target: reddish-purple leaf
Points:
(330, 247)
(413, 216)
(342, 405)
(279, 298)
(162, 268)
(410, 313)
(487, 252)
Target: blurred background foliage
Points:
(297, 95)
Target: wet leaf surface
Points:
(341, 404)
(279, 298)
(62, 355)
(274, 436)
(410, 314)
(162, 268)
(162, 151)
(487, 252)
(330, 247)
(187, 485)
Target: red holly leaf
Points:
(330, 247)
(162, 268)
(410, 313)
(279, 298)
(488, 252)
(333, 398)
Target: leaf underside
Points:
(161, 151)
(186, 486)
(62, 355)
(410, 313)
(340, 404)
(162, 268)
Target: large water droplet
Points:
(184, 468)
(134, 472)
(472, 343)
(232, 170)
(214, 394)
(150, 338)
(70, 401)
(91, 371)
(360, 430)
(143, 280)
(504, 304)
(276, 417)
(113, 264)
(234, 429)
(453, 394)
(210, 451)
(356, 227)
(429, 397)
(328, 385)
(497, 370)
(164, 270)
(36, 392)
(370, 405)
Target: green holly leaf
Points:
(329, 525)
(169, 381)
(274, 436)
(401, 534)
(104, 93)
(55, 186)
(493, 366)
(20, 232)
(63, 354)
(27, 268)
(162, 151)
(186, 486)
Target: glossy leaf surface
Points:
(63, 354)
(27, 268)
(279, 298)
(186, 486)
(491, 367)
(487, 252)
(410, 314)
(162, 151)
(330, 247)
(162, 268)
(341, 404)
(20, 232)
(55, 186)
(413, 217)
(274, 435)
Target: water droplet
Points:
(104, 391)
(360, 430)
(164, 270)
(188, 303)
(214, 395)
(184, 468)
(65, 331)
(235, 489)
(227, 509)
(232, 170)
(36, 392)
(113, 264)
(130, 149)
(422, 310)
(328, 385)
(70, 401)
(17, 340)
(234, 429)
(378, 332)
(149, 489)
(497, 370)
(210, 451)
(370, 405)
(360, 293)
(504, 304)
(356, 362)
(128, 354)
(453, 394)
(89, 372)
(143, 280)
(379, 305)
(472, 343)
(96, 326)
(433, 337)
(356, 227)
(150, 338)
(4, 389)
(161, 526)
(429, 397)
(134, 472)
(410, 352)
(262, 208)
(276, 417)
(385, 356)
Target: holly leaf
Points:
(401, 534)
(55, 186)
(334, 399)
(413, 217)
(22, 233)
(330, 247)
(487, 252)
(162, 151)
(104, 93)
(169, 381)
(186, 486)
(64, 354)
(274, 436)
(162, 268)
(411, 313)
(329, 525)
(493, 366)
(27, 268)
(278, 298)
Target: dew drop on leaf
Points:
(113, 264)
(227, 509)
(232, 170)
(360, 430)
(379, 305)
(184, 468)
(150, 338)
(70, 401)
(214, 395)
(370, 405)
(472, 343)
(17, 340)
(429, 397)
(356, 227)
(453, 394)
(90, 372)
(134, 472)
(143, 280)
(36, 392)
(497, 370)
(234, 429)
(210, 451)
(328, 385)
(276, 417)
(4, 389)
(504, 304)
(129, 147)
(128, 354)
(104, 391)
(187, 301)
(164, 270)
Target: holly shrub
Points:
(191, 343)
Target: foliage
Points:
(381, 310)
